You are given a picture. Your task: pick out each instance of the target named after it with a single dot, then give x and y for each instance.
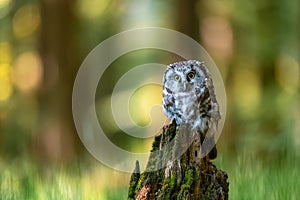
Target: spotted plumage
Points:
(189, 97)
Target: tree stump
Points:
(182, 178)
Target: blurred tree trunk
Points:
(56, 138)
(187, 19)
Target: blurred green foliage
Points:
(42, 43)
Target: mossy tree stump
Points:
(181, 178)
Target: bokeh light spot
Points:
(26, 21)
(5, 52)
(287, 73)
(5, 82)
(93, 8)
(247, 88)
(142, 101)
(27, 73)
(4, 3)
(217, 36)
(5, 6)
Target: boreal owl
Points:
(189, 97)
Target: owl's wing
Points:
(168, 103)
(209, 97)
(210, 115)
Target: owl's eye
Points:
(177, 77)
(191, 75)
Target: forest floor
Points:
(248, 179)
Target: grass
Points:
(252, 179)
(249, 178)
(28, 181)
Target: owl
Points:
(189, 97)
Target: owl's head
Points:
(185, 76)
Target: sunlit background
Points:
(42, 44)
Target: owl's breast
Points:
(187, 106)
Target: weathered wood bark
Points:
(183, 178)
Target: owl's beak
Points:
(184, 86)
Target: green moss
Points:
(186, 185)
(173, 181)
(140, 183)
(155, 144)
(131, 192)
(168, 187)
(134, 181)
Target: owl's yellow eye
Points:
(177, 77)
(191, 75)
